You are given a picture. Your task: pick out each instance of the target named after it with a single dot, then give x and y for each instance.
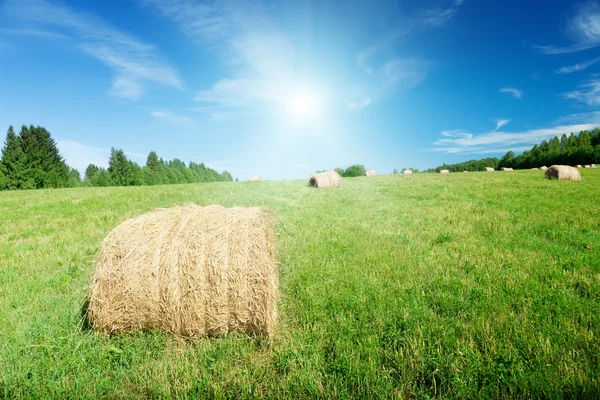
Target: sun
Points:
(303, 106)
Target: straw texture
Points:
(563, 172)
(489, 169)
(328, 179)
(190, 271)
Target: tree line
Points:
(573, 149)
(350, 172)
(31, 160)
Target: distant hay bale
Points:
(543, 168)
(535, 169)
(407, 171)
(489, 169)
(254, 178)
(444, 171)
(593, 165)
(326, 180)
(466, 171)
(587, 166)
(506, 169)
(190, 271)
(564, 172)
(371, 173)
(579, 166)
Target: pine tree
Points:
(45, 168)
(91, 171)
(12, 164)
(119, 168)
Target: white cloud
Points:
(224, 165)
(500, 123)
(588, 93)
(459, 142)
(358, 106)
(79, 155)
(170, 117)
(583, 28)
(515, 92)
(135, 63)
(247, 38)
(577, 67)
(32, 32)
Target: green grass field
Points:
(479, 285)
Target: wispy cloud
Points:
(32, 32)
(408, 72)
(79, 155)
(577, 67)
(170, 117)
(460, 142)
(358, 106)
(224, 165)
(583, 28)
(247, 39)
(515, 92)
(500, 123)
(136, 64)
(588, 93)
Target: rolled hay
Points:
(254, 178)
(371, 173)
(563, 172)
(506, 169)
(489, 169)
(407, 172)
(593, 165)
(190, 271)
(587, 166)
(326, 179)
(579, 166)
(466, 171)
(543, 168)
(534, 169)
(444, 171)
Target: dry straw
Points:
(190, 271)
(587, 166)
(564, 172)
(326, 180)
(593, 165)
(543, 168)
(371, 173)
(444, 171)
(506, 169)
(579, 166)
(489, 169)
(407, 171)
(254, 178)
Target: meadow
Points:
(479, 285)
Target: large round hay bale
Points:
(543, 168)
(407, 172)
(563, 172)
(587, 166)
(371, 173)
(489, 169)
(444, 171)
(190, 271)
(254, 178)
(326, 180)
(506, 169)
(579, 166)
(593, 165)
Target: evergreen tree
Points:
(12, 164)
(119, 168)
(91, 171)
(395, 172)
(45, 168)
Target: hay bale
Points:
(564, 172)
(534, 169)
(190, 271)
(254, 178)
(444, 171)
(587, 166)
(543, 168)
(593, 165)
(407, 172)
(465, 171)
(326, 180)
(371, 173)
(506, 169)
(579, 166)
(489, 169)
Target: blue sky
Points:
(281, 89)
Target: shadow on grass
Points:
(85, 323)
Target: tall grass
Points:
(461, 286)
